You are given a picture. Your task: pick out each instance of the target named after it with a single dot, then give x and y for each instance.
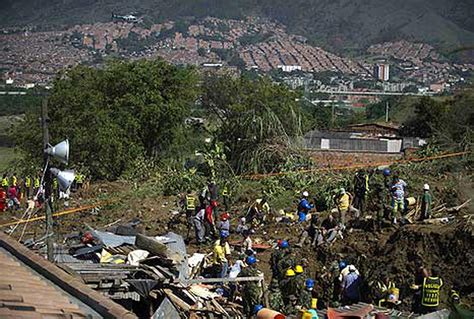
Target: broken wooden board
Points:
(150, 244)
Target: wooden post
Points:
(47, 182)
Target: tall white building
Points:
(382, 71)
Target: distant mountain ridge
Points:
(339, 24)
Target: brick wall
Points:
(336, 159)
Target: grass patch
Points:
(7, 156)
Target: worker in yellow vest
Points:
(79, 180)
(15, 181)
(55, 188)
(5, 182)
(430, 292)
(190, 209)
(226, 197)
(27, 186)
(36, 185)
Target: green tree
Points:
(428, 114)
(258, 120)
(115, 115)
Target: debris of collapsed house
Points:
(153, 271)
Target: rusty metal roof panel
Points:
(23, 293)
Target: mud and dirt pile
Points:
(398, 253)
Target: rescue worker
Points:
(221, 255)
(398, 198)
(350, 287)
(242, 226)
(311, 233)
(15, 181)
(275, 297)
(27, 186)
(13, 197)
(36, 184)
(5, 182)
(247, 244)
(291, 305)
(288, 285)
(344, 269)
(343, 202)
(361, 189)
(426, 202)
(226, 197)
(300, 278)
(258, 211)
(328, 231)
(79, 180)
(378, 202)
(306, 294)
(430, 292)
(199, 226)
(278, 253)
(3, 200)
(304, 207)
(190, 211)
(251, 290)
(287, 261)
(224, 224)
(55, 187)
(209, 220)
(234, 272)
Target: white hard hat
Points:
(243, 220)
(352, 268)
(305, 194)
(426, 187)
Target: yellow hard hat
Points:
(290, 273)
(299, 269)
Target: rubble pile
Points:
(137, 270)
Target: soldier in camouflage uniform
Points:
(288, 285)
(251, 290)
(275, 298)
(300, 278)
(291, 306)
(286, 261)
(281, 251)
(379, 199)
(306, 294)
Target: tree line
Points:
(130, 113)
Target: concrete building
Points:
(289, 68)
(382, 71)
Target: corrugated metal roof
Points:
(177, 245)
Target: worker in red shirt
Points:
(3, 200)
(13, 196)
(209, 220)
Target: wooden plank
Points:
(217, 280)
(151, 245)
(176, 300)
(219, 308)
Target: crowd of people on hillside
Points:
(382, 193)
(16, 191)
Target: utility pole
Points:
(386, 111)
(47, 182)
